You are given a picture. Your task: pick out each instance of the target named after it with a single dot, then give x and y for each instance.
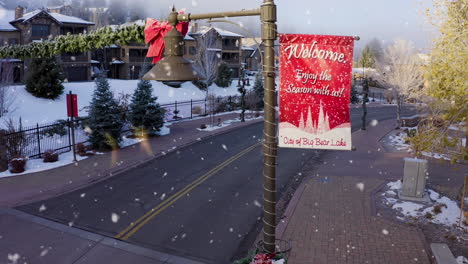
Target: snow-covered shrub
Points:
(50, 156)
(18, 165)
(105, 119)
(45, 78)
(197, 110)
(59, 128)
(17, 141)
(224, 76)
(145, 113)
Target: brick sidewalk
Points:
(333, 220)
(22, 189)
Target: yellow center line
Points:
(135, 226)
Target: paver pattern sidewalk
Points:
(334, 220)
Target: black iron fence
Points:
(33, 141)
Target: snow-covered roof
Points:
(5, 17)
(188, 37)
(251, 42)
(113, 46)
(117, 62)
(94, 61)
(213, 49)
(58, 17)
(10, 60)
(222, 32)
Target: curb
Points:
(118, 169)
(100, 239)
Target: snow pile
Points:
(449, 214)
(227, 123)
(462, 260)
(37, 165)
(435, 155)
(129, 141)
(399, 140)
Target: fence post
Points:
(69, 134)
(205, 105)
(38, 139)
(191, 107)
(175, 111)
(3, 151)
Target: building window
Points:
(40, 30)
(192, 50)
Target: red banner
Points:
(72, 105)
(315, 85)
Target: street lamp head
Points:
(173, 67)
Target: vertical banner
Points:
(72, 105)
(315, 85)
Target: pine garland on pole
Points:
(224, 75)
(146, 115)
(104, 118)
(45, 78)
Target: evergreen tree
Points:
(104, 117)
(224, 76)
(367, 59)
(145, 114)
(45, 78)
(258, 88)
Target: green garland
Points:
(76, 43)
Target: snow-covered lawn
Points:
(37, 165)
(449, 214)
(34, 110)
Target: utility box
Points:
(414, 180)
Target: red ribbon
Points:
(154, 36)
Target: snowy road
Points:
(203, 201)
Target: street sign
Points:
(72, 105)
(315, 85)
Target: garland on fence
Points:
(76, 43)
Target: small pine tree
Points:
(259, 90)
(145, 114)
(45, 78)
(224, 76)
(104, 117)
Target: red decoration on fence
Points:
(154, 35)
(315, 74)
(72, 105)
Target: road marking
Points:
(135, 226)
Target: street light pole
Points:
(174, 60)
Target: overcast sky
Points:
(383, 19)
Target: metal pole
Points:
(463, 200)
(364, 101)
(73, 126)
(38, 139)
(270, 141)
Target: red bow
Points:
(154, 35)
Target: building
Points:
(252, 52)
(225, 43)
(44, 24)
